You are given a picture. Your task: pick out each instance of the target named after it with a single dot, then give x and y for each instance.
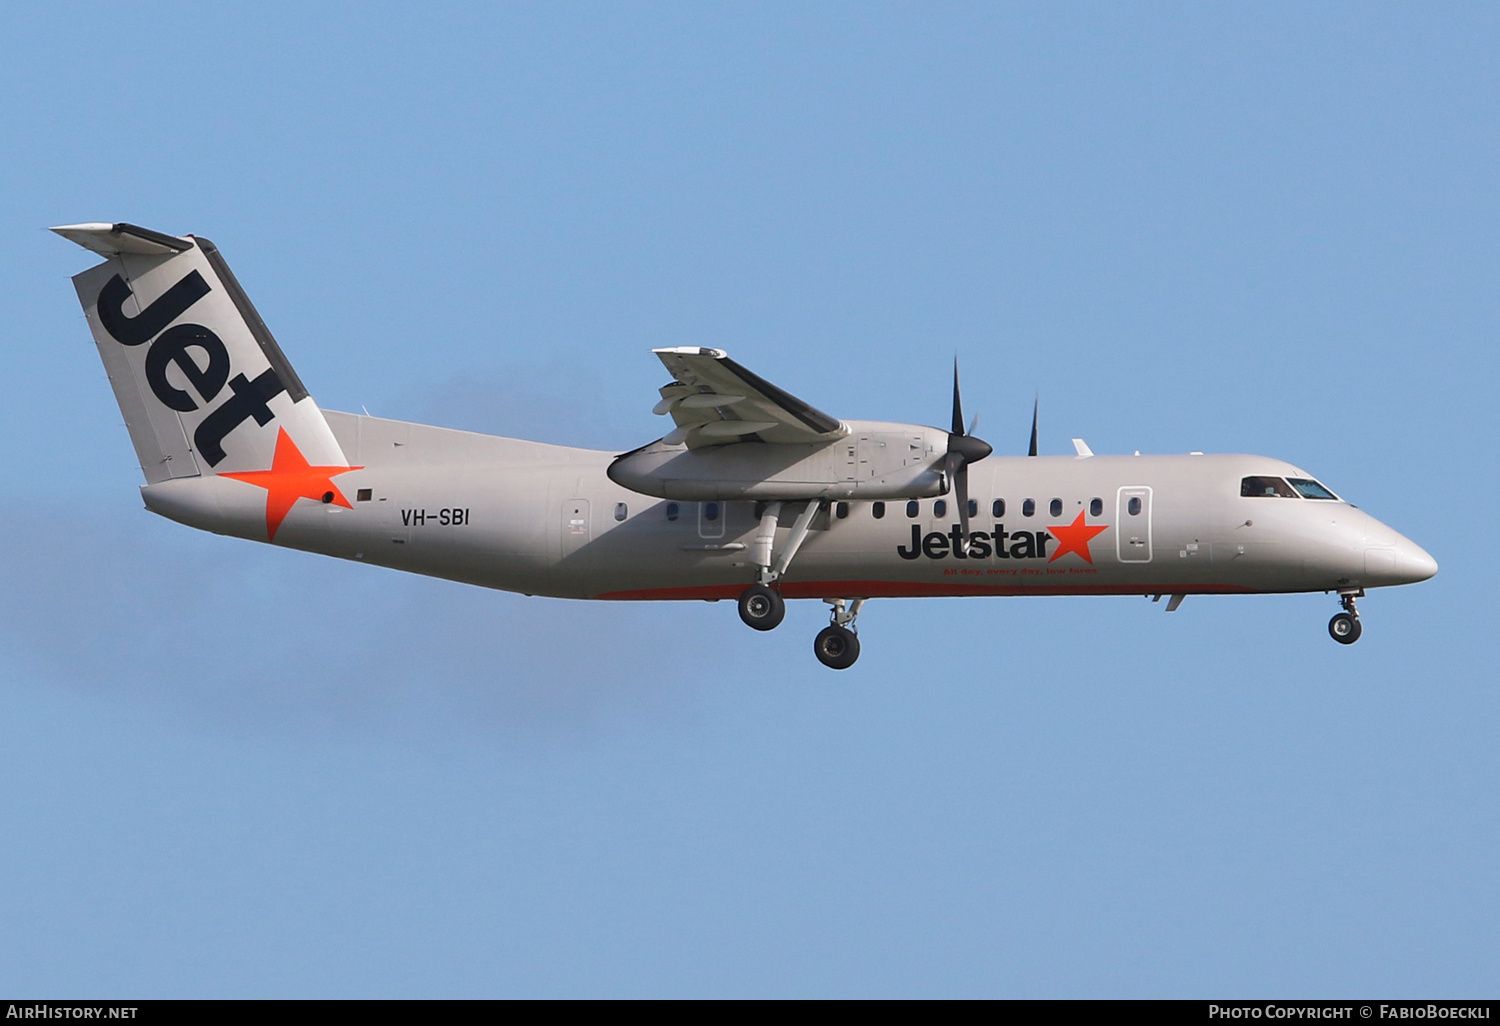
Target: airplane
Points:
(753, 496)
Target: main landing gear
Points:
(837, 646)
(1344, 627)
(761, 605)
(763, 608)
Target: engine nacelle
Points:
(874, 461)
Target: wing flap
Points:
(715, 401)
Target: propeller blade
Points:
(963, 449)
(958, 405)
(961, 493)
(1034, 408)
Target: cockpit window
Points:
(1259, 486)
(1311, 489)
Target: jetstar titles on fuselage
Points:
(1002, 544)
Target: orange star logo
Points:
(291, 478)
(1074, 538)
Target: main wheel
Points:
(836, 647)
(761, 607)
(1344, 629)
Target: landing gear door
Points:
(1133, 525)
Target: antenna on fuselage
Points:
(1035, 407)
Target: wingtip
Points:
(90, 226)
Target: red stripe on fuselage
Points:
(903, 589)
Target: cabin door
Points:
(1133, 525)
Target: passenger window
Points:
(1258, 487)
(710, 511)
(841, 510)
(998, 507)
(877, 510)
(621, 511)
(973, 507)
(913, 508)
(672, 511)
(1096, 507)
(1311, 489)
(1055, 508)
(1134, 505)
(940, 508)
(1028, 508)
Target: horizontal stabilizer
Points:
(113, 239)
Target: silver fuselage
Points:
(547, 520)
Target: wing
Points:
(715, 401)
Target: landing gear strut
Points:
(761, 605)
(1344, 627)
(837, 646)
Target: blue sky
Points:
(231, 770)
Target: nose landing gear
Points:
(1344, 627)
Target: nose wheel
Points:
(1344, 627)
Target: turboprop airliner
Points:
(753, 495)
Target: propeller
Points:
(963, 449)
(1035, 406)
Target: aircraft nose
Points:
(1397, 560)
(1413, 562)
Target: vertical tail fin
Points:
(202, 383)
